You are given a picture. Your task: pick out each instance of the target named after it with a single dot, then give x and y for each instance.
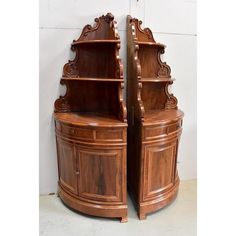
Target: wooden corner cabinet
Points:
(91, 124)
(154, 123)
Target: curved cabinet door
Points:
(159, 169)
(66, 165)
(100, 173)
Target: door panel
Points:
(66, 161)
(100, 174)
(159, 169)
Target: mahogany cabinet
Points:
(91, 124)
(154, 123)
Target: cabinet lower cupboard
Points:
(159, 179)
(92, 164)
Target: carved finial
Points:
(108, 17)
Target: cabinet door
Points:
(159, 169)
(101, 174)
(66, 165)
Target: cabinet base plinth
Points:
(111, 211)
(161, 201)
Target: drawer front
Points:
(153, 132)
(92, 134)
(110, 134)
(78, 132)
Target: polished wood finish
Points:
(91, 124)
(154, 123)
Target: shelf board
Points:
(161, 116)
(96, 41)
(89, 119)
(93, 79)
(157, 79)
(150, 44)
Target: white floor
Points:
(178, 219)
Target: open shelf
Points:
(157, 79)
(96, 41)
(162, 116)
(93, 119)
(89, 76)
(93, 79)
(93, 61)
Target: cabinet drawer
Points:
(173, 127)
(111, 135)
(92, 134)
(78, 132)
(152, 132)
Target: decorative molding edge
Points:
(164, 70)
(62, 104)
(123, 109)
(132, 23)
(140, 102)
(70, 69)
(172, 101)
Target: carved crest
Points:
(104, 28)
(142, 34)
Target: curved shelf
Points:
(157, 79)
(150, 44)
(89, 119)
(97, 41)
(93, 79)
(153, 117)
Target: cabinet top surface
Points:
(89, 119)
(162, 116)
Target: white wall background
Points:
(173, 23)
